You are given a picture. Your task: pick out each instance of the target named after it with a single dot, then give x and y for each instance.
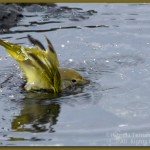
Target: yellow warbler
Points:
(41, 66)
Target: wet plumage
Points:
(41, 66)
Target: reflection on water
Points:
(40, 111)
(36, 117)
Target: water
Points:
(109, 44)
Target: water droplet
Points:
(25, 58)
(107, 61)
(71, 60)
(68, 41)
(11, 96)
(24, 52)
(123, 125)
(32, 83)
(94, 48)
(62, 45)
(132, 71)
(1, 90)
(18, 52)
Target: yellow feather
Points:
(41, 66)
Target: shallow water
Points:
(109, 44)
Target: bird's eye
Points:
(73, 80)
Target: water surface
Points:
(109, 44)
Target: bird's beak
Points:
(86, 81)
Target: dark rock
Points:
(41, 4)
(9, 15)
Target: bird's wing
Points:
(51, 53)
(39, 68)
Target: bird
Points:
(41, 68)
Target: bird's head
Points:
(70, 77)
